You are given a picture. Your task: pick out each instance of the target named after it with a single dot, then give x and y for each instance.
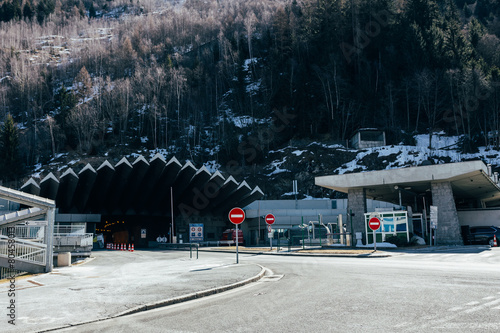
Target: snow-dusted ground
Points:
(390, 157)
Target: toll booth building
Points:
(312, 222)
(438, 199)
(137, 202)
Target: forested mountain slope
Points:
(238, 80)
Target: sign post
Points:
(270, 219)
(236, 216)
(195, 232)
(434, 223)
(374, 224)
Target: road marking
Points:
(36, 283)
(473, 303)
(477, 308)
(470, 327)
(271, 278)
(457, 308)
(488, 297)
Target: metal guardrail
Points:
(210, 243)
(71, 239)
(23, 250)
(69, 229)
(7, 273)
(25, 231)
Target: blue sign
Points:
(195, 232)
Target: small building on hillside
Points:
(367, 138)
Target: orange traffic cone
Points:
(113, 247)
(132, 250)
(495, 240)
(122, 247)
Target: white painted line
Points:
(457, 308)
(488, 297)
(236, 215)
(473, 303)
(477, 308)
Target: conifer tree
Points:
(10, 165)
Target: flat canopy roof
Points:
(469, 181)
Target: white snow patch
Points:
(439, 140)
(298, 152)
(212, 166)
(277, 167)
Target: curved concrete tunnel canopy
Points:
(469, 181)
(142, 188)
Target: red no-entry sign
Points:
(270, 219)
(374, 223)
(236, 215)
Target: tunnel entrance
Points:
(130, 229)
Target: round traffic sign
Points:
(236, 215)
(374, 223)
(270, 219)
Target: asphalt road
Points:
(449, 291)
(112, 283)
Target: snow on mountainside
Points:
(303, 161)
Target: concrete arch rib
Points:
(139, 170)
(31, 187)
(256, 194)
(195, 187)
(123, 169)
(87, 177)
(156, 167)
(99, 192)
(211, 191)
(229, 186)
(49, 187)
(235, 196)
(161, 192)
(67, 186)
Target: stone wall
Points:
(448, 226)
(356, 199)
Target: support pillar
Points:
(448, 226)
(49, 239)
(356, 204)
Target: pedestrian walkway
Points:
(113, 283)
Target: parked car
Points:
(480, 235)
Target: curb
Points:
(170, 301)
(192, 296)
(326, 255)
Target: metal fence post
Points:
(302, 227)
